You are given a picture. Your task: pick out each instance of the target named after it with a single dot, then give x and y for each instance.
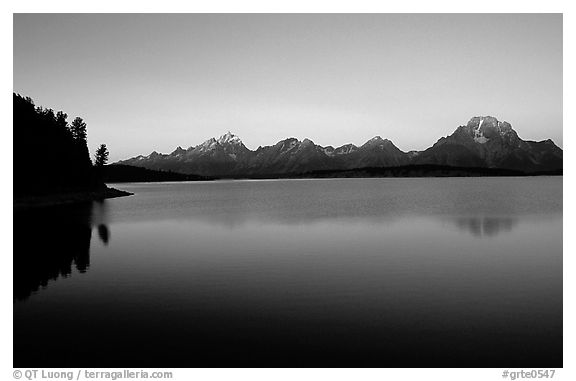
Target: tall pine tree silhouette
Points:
(101, 157)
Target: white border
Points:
(302, 6)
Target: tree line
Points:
(50, 154)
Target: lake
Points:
(430, 272)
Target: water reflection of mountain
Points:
(50, 243)
(482, 226)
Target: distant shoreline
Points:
(409, 171)
(425, 170)
(72, 197)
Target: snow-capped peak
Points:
(229, 138)
(485, 128)
(207, 145)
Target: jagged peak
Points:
(229, 138)
(377, 140)
(349, 145)
(207, 145)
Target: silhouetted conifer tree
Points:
(78, 129)
(101, 157)
(61, 119)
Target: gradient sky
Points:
(157, 81)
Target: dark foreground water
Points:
(350, 272)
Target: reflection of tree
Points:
(104, 233)
(50, 242)
(486, 226)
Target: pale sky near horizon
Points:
(157, 81)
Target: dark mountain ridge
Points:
(484, 142)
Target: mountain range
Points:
(484, 142)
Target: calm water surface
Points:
(432, 272)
